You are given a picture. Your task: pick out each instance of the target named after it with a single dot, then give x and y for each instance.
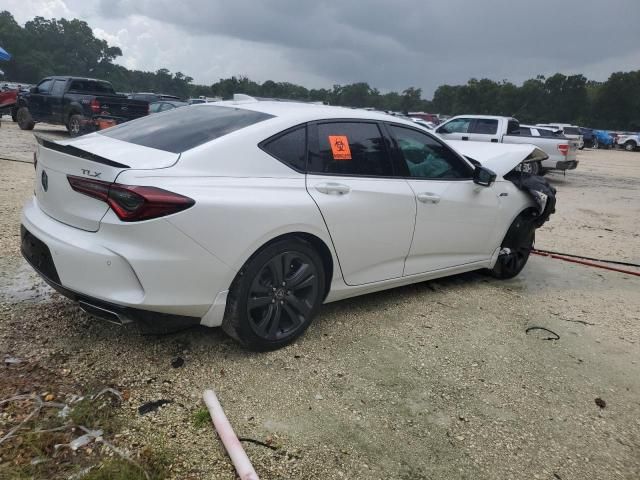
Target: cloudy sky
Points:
(390, 44)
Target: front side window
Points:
(485, 126)
(58, 88)
(526, 131)
(290, 148)
(425, 157)
(351, 148)
(182, 129)
(45, 86)
(459, 125)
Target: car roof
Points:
(306, 112)
(483, 116)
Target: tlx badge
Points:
(90, 173)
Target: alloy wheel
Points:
(282, 295)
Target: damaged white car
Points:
(250, 214)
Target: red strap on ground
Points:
(583, 262)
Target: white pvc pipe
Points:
(229, 440)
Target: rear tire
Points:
(275, 296)
(75, 125)
(596, 144)
(24, 118)
(630, 146)
(519, 240)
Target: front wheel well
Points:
(318, 245)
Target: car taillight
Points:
(564, 149)
(95, 105)
(132, 203)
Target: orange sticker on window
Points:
(340, 147)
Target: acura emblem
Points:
(45, 181)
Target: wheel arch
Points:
(318, 244)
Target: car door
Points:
(455, 129)
(370, 214)
(55, 100)
(39, 100)
(484, 130)
(455, 218)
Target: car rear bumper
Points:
(151, 268)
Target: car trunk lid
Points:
(93, 157)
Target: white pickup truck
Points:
(562, 151)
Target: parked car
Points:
(629, 142)
(249, 215)
(603, 139)
(80, 104)
(561, 152)
(163, 106)
(588, 137)
(570, 131)
(152, 97)
(8, 102)
(424, 123)
(427, 117)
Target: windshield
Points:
(182, 129)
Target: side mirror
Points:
(483, 176)
(441, 130)
(33, 89)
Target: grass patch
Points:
(201, 418)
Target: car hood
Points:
(499, 157)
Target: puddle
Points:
(19, 283)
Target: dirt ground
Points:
(432, 381)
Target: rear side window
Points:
(91, 86)
(513, 127)
(290, 148)
(350, 148)
(485, 126)
(182, 129)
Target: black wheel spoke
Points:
(302, 278)
(275, 321)
(277, 271)
(298, 305)
(258, 302)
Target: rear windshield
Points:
(572, 131)
(92, 86)
(182, 129)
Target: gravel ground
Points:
(431, 381)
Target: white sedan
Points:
(250, 214)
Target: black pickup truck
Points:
(80, 104)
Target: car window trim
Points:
(313, 141)
(400, 156)
(282, 133)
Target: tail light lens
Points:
(132, 203)
(564, 149)
(95, 105)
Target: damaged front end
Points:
(539, 189)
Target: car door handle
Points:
(465, 138)
(428, 197)
(332, 188)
